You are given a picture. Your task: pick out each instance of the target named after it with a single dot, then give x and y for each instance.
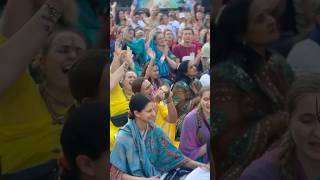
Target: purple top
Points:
(267, 167)
(189, 142)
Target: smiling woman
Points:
(59, 54)
(33, 136)
(298, 157)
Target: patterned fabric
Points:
(182, 97)
(248, 99)
(163, 66)
(140, 56)
(147, 156)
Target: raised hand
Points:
(117, 50)
(129, 56)
(114, 5)
(152, 54)
(166, 50)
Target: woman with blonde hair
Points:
(298, 156)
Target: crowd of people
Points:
(265, 117)
(159, 92)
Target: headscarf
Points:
(163, 67)
(138, 49)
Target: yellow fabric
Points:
(27, 136)
(168, 128)
(118, 105)
(2, 39)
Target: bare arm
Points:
(171, 63)
(120, 72)
(113, 10)
(172, 112)
(192, 164)
(12, 64)
(16, 14)
(116, 58)
(116, 77)
(151, 63)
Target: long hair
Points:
(182, 70)
(157, 81)
(200, 117)
(231, 25)
(304, 85)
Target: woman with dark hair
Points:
(298, 155)
(142, 150)
(120, 18)
(170, 39)
(186, 88)
(151, 72)
(166, 114)
(84, 146)
(185, 91)
(251, 83)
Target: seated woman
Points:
(137, 46)
(120, 93)
(165, 60)
(298, 156)
(126, 83)
(151, 72)
(250, 86)
(166, 114)
(185, 91)
(142, 149)
(203, 173)
(195, 131)
(83, 141)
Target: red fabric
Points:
(180, 51)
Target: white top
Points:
(304, 57)
(198, 174)
(205, 80)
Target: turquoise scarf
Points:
(147, 157)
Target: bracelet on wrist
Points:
(50, 17)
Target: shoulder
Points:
(123, 135)
(266, 167)
(190, 119)
(231, 72)
(176, 47)
(191, 116)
